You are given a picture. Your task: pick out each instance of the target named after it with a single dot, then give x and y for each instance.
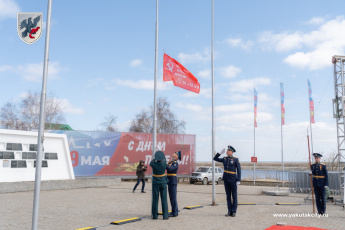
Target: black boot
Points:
(133, 190)
(233, 214)
(228, 214)
(143, 192)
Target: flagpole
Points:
(40, 137)
(254, 137)
(155, 89)
(281, 131)
(213, 127)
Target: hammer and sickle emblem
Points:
(169, 66)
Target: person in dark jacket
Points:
(141, 168)
(172, 168)
(320, 183)
(159, 185)
(230, 177)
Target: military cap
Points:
(231, 148)
(159, 156)
(317, 155)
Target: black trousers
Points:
(320, 198)
(172, 188)
(138, 182)
(231, 191)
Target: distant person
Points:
(141, 169)
(230, 178)
(320, 183)
(159, 185)
(172, 168)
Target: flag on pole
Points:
(255, 106)
(282, 102)
(311, 104)
(181, 77)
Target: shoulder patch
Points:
(323, 163)
(313, 164)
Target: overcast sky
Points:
(102, 61)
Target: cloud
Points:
(237, 42)
(230, 71)
(206, 74)
(191, 107)
(281, 42)
(34, 71)
(67, 107)
(65, 104)
(136, 62)
(194, 57)
(316, 21)
(246, 85)
(139, 84)
(242, 121)
(314, 49)
(8, 9)
(205, 92)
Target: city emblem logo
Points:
(29, 26)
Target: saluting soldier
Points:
(320, 183)
(159, 185)
(172, 168)
(230, 177)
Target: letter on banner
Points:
(96, 161)
(148, 159)
(85, 161)
(107, 143)
(161, 146)
(130, 145)
(147, 145)
(105, 160)
(140, 146)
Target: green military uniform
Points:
(159, 185)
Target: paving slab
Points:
(96, 207)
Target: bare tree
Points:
(167, 120)
(9, 116)
(27, 117)
(109, 123)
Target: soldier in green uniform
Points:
(159, 185)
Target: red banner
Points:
(181, 77)
(134, 147)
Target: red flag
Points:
(181, 77)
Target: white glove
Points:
(215, 153)
(237, 183)
(310, 172)
(223, 151)
(326, 186)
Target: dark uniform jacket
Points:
(231, 164)
(320, 174)
(141, 170)
(172, 168)
(158, 170)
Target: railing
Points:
(299, 182)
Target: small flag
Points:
(282, 102)
(311, 104)
(255, 106)
(181, 77)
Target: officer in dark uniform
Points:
(172, 168)
(159, 185)
(320, 183)
(230, 178)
